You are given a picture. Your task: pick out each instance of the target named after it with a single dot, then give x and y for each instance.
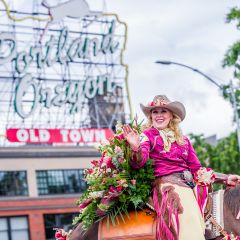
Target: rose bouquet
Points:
(113, 185)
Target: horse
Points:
(230, 221)
(141, 224)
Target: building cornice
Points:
(48, 152)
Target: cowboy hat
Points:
(163, 102)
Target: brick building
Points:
(38, 189)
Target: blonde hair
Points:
(173, 125)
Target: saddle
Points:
(138, 225)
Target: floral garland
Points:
(113, 185)
(204, 176)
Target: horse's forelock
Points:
(232, 199)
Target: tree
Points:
(224, 157)
(232, 58)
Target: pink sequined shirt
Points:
(178, 159)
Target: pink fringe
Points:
(163, 231)
(238, 216)
(202, 200)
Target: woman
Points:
(175, 164)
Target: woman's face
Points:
(161, 117)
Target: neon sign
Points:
(58, 51)
(72, 93)
(63, 71)
(61, 50)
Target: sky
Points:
(194, 33)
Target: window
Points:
(13, 183)
(60, 181)
(52, 221)
(14, 228)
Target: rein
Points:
(218, 227)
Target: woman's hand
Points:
(233, 180)
(132, 137)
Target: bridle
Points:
(208, 216)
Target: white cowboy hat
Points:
(163, 102)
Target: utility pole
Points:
(234, 102)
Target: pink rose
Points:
(119, 188)
(133, 181)
(100, 212)
(105, 201)
(121, 182)
(108, 161)
(119, 137)
(60, 235)
(121, 160)
(85, 203)
(114, 190)
(94, 163)
(90, 171)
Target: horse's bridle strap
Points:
(218, 226)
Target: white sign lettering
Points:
(70, 92)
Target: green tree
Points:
(203, 149)
(224, 157)
(232, 58)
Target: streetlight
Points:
(233, 98)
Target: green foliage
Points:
(232, 59)
(202, 149)
(113, 185)
(232, 55)
(224, 157)
(234, 15)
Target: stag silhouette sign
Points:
(65, 70)
(71, 8)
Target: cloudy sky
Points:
(184, 31)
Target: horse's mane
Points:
(232, 199)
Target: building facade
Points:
(63, 87)
(39, 187)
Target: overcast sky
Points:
(185, 31)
